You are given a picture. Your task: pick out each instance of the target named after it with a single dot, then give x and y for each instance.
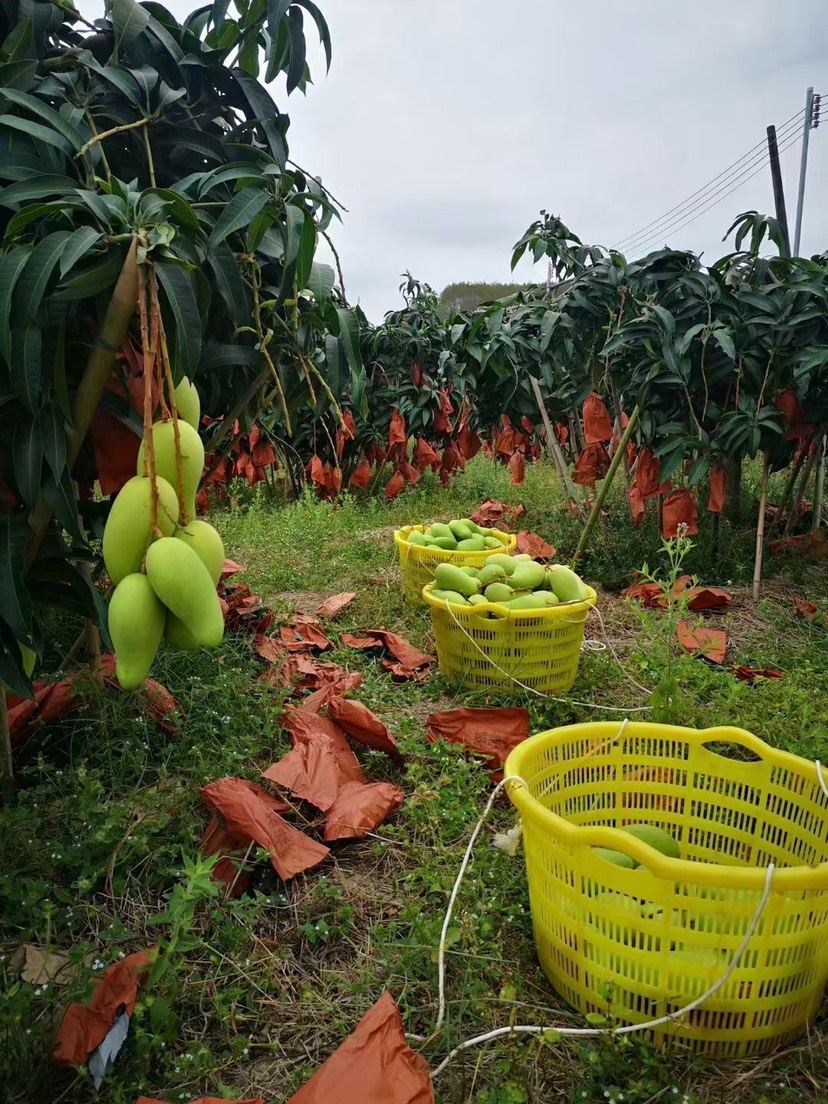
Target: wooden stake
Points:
(554, 447)
(760, 533)
(6, 767)
(819, 487)
(605, 487)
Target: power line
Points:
(706, 187)
(724, 179)
(793, 140)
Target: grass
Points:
(101, 841)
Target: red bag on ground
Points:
(375, 1065)
(360, 808)
(492, 732)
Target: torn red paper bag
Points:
(408, 662)
(317, 768)
(531, 544)
(493, 732)
(468, 443)
(335, 604)
(637, 508)
(231, 568)
(202, 1100)
(244, 611)
(806, 544)
(360, 808)
(303, 634)
(361, 724)
(750, 674)
(491, 513)
(394, 486)
(680, 509)
(718, 490)
(808, 610)
(361, 475)
(647, 477)
(375, 1065)
(710, 643)
(270, 650)
(425, 456)
(592, 464)
(652, 596)
(218, 839)
(85, 1026)
(303, 673)
(159, 705)
(707, 598)
(597, 422)
(248, 809)
(517, 467)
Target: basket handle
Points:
(720, 741)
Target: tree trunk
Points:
(760, 533)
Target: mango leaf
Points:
(307, 248)
(12, 263)
(336, 369)
(296, 68)
(263, 111)
(45, 184)
(229, 282)
(238, 213)
(53, 438)
(48, 114)
(321, 26)
(321, 281)
(78, 244)
(276, 11)
(26, 353)
(32, 284)
(11, 664)
(61, 497)
(129, 20)
(39, 132)
(294, 226)
(15, 603)
(179, 291)
(27, 452)
(92, 279)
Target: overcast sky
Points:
(445, 126)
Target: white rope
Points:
(540, 693)
(643, 689)
(821, 777)
(581, 1032)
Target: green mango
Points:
(450, 596)
(528, 576)
(471, 544)
(492, 542)
(183, 584)
(437, 529)
(548, 597)
(477, 600)
(460, 530)
(207, 545)
(471, 571)
(506, 562)
(187, 403)
(523, 557)
(448, 544)
(136, 625)
(178, 636)
(192, 461)
(416, 537)
(491, 573)
(449, 577)
(527, 602)
(565, 583)
(656, 837)
(499, 592)
(128, 531)
(475, 528)
(617, 858)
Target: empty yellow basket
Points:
(643, 943)
(417, 563)
(489, 646)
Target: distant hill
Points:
(465, 296)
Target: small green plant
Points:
(663, 629)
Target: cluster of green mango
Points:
(455, 536)
(516, 582)
(165, 585)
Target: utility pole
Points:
(811, 122)
(803, 166)
(778, 191)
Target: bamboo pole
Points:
(605, 486)
(819, 487)
(760, 532)
(554, 447)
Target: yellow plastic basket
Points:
(644, 943)
(492, 647)
(417, 563)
